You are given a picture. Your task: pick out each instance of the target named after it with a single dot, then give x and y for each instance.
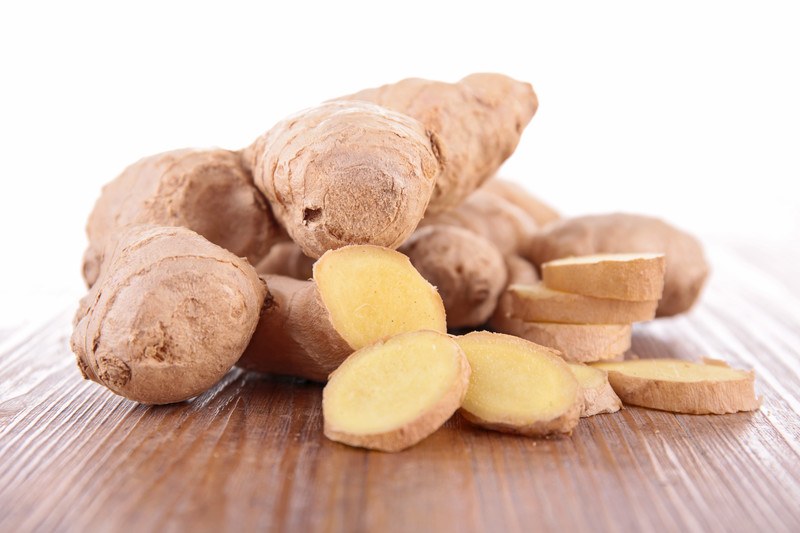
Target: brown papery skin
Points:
(170, 314)
(520, 271)
(295, 336)
(477, 124)
(207, 191)
(686, 266)
(495, 219)
(346, 173)
(468, 271)
(542, 213)
(286, 259)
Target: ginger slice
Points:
(598, 396)
(518, 387)
(373, 293)
(392, 394)
(577, 343)
(537, 303)
(635, 277)
(682, 386)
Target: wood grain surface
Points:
(250, 455)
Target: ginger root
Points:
(476, 124)
(286, 259)
(519, 387)
(495, 219)
(169, 315)
(468, 271)
(682, 386)
(521, 271)
(359, 295)
(346, 173)
(207, 191)
(391, 395)
(539, 211)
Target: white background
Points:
(687, 110)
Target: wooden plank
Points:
(250, 454)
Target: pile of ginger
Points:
(345, 243)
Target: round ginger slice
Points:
(576, 343)
(391, 395)
(682, 386)
(635, 277)
(537, 303)
(519, 387)
(373, 293)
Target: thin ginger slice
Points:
(537, 303)
(634, 277)
(373, 293)
(598, 396)
(682, 386)
(518, 386)
(576, 343)
(392, 394)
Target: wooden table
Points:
(250, 455)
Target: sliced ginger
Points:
(576, 343)
(518, 387)
(391, 395)
(373, 293)
(598, 396)
(682, 386)
(635, 277)
(537, 303)
(359, 295)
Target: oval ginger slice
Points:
(373, 293)
(682, 386)
(635, 277)
(519, 387)
(392, 394)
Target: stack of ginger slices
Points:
(530, 377)
(584, 306)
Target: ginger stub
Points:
(537, 303)
(475, 123)
(359, 295)
(345, 173)
(468, 271)
(635, 277)
(682, 386)
(598, 395)
(168, 316)
(392, 394)
(208, 191)
(518, 387)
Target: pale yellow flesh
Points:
(515, 382)
(602, 258)
(373, 293)
(588, 377)
(389, 385)
(674, 370)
